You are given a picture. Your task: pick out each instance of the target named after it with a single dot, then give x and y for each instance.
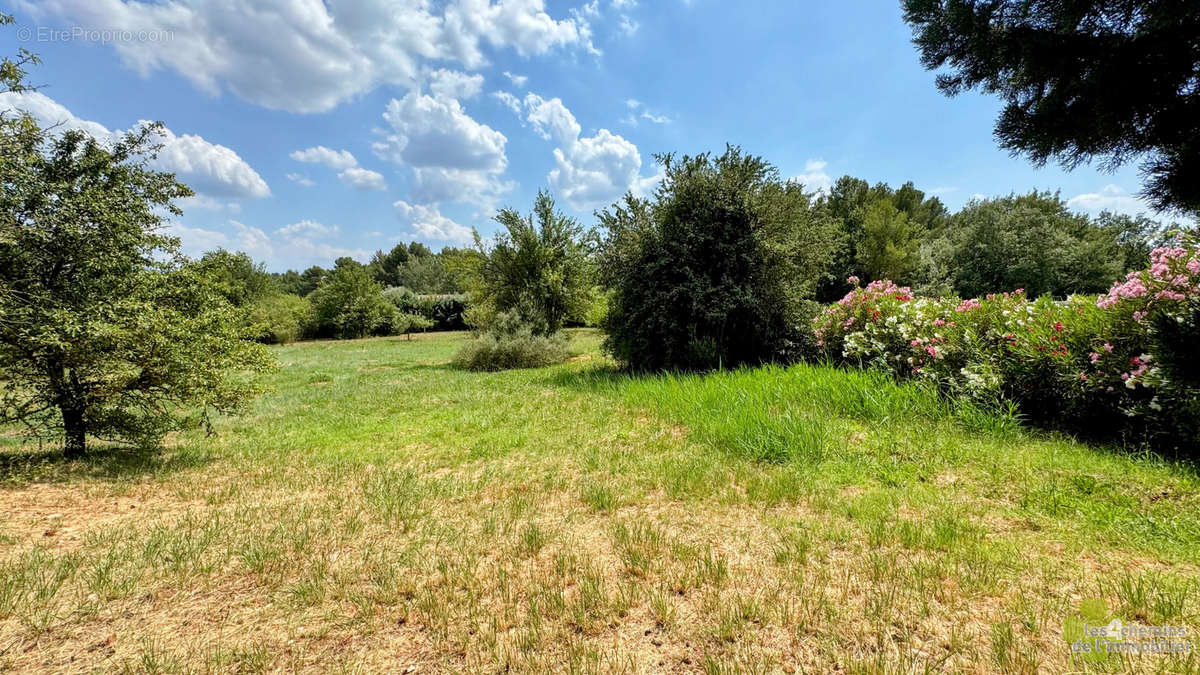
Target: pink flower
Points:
(939, 322)
(932, 351)
(1058, 326)
(1094, 356)
(1139, 316)
(1083, 376)
(1193, 266)
(915, 343)
(1108, 348)
(852, 280)
(968, 305)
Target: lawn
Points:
(380, 510)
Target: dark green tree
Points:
(717, 269)
(1113, 80)
(1033, 242)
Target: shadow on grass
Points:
(25, 465)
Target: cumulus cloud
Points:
(301, 179)
(454, 158)
(427, 222)
(1111, 198)
(210, 169)
(363, 180)
(455, 84)
(814, 177)
(589, 171)
(298, 245)
(311, 55)
(334, 159)
(345, 163)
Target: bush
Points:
(350, 304)
(280, 318)
(716, 270)
(511, 343)
(1124, 362)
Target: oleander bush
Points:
(1120, 363)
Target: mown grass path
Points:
(380, 510)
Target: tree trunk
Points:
(75, 445)
(72, 402)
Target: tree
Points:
(718, 269)
(387, 268)
(241, 280)
(1094, 79)
(104, 330)
(888, 249)
(1033, 242)
(537, 267)
(847, 202)
(350, 304)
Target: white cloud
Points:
(311, 55)
(511, 102)
(436, 131)
(427, 222)
(345, 163)
(589, 171)
(627, 26)
(635, 116)
(308, 228)
(208, 168)
(298, 245)
(301, 179)
(454, 84)
(334, 159)
(454, 158)
(1111, 198)
(363, 180)
(551, 119)
(518, 81)
(814, 178)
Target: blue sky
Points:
(317, 129)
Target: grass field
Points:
(379, 510)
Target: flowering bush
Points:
(1085, 361)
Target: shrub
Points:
(280, 318)
(1121, 362)
(715, 270)
(512, 343)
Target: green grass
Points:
(381, 509)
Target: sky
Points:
(314, 129)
